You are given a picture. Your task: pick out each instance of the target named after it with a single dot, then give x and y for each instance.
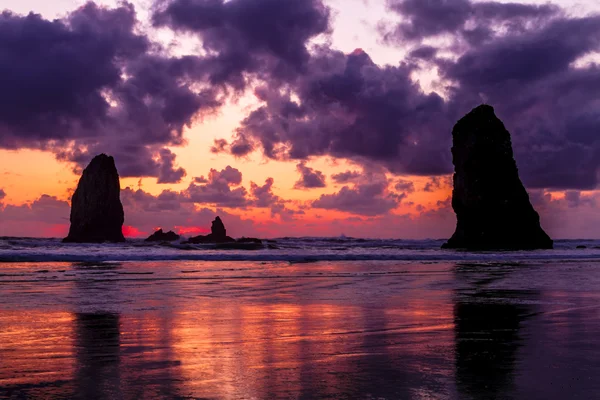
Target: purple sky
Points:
(332, 115)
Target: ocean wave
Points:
(294, 250)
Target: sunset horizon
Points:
(342, 128)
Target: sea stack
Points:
(96, 209)
(218, 234)
(492, 207)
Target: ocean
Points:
(307, 318)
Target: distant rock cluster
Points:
(218, 234)
(160, 236)
(492, 207)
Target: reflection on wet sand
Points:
(327, 331)
(487, 330)
(97, 351)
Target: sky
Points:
(293, 117)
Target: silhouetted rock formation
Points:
(96, 209)
(160, 236)
(249, 240)
(492, 206)
(217, 228)
(218, 234)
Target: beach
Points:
(523, 327)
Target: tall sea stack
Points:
(96, 209)
(492, 207)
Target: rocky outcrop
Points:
(96, 209)
(249, 240)
(492, 207)
(160, 236)
(218, 234)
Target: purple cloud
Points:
(346, 177)
(362, 199)
(351, 108)
(368, 196)
(471, 20)
(218, 189)
(274, 49)
(309, 178)
(404, 186)
(90, 83)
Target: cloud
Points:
(346, 177)
(2, 194)
(168, 173)
(438, 182)
(491, 51)
(219, 146)
(472, 20)
(91, 83)
(46, 216)
(404, 186)
(309, 178)
(263, 197)
(555, 142)
(346, 106)
(217, 189)
(274, 49)
(369, 197)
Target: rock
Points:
(96, 209)
(492, 207)
(160, 236)
(240, 246)
(249, 240)
(217, 228)
(218, 234)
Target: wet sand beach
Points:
(263, 330)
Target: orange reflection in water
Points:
(284, 332)
(35, 347)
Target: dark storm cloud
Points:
(263, 37)
(309, 178)
(524, 64)
(89, 83)
(349, 107)
(423, 19)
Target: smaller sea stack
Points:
(492, 207)
(218, 234)
(96, 210)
